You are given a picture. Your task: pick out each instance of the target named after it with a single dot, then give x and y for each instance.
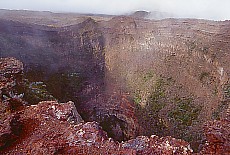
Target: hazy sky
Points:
(209, 9)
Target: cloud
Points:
(208, 9)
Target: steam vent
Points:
(88, 84)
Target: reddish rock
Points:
(10, 74)
(44, 129)
(115, 113)
(10, 66)
(61, 111)
(156, 145)
(217, 137)
(10, 71)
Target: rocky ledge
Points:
(50, 127)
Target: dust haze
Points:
(204, 9)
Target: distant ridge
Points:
(140, 14)
(151, 14)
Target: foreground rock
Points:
(54, 128)
(46, 129)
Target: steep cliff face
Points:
(74, 47)
(175, 71)
(134, 76)
(58, 55)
